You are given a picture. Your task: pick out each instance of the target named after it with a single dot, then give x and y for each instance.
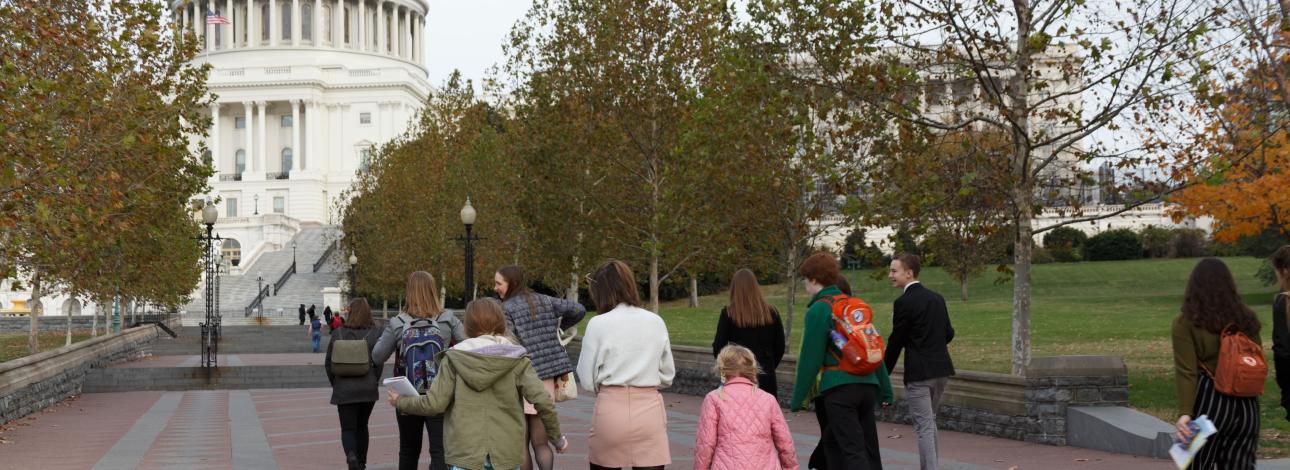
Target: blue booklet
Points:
(1184, 451)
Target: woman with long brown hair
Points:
(354, 395)
(1210, 306)
(626, 357)
(752, 323)
(422, 330)
(535, 320)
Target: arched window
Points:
(240, 161)
(307, 22)
(286, 23)
(264, 22)
(326, 24)
(231, 250)
(71, 307)
(286, 160)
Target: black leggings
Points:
(353, 428)
(597, 467)
(410, 441)
(848, 431)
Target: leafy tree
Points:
(1065, 243)
(97, 107)
(1117, 244)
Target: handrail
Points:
(326, 254)
(259, 298)
(277, 286)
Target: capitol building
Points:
(303, 90)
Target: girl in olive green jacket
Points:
(476, 390)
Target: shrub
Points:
(1041, 255)
(1065, 243)
(1155, 241)
(1118, 244)
(1188, 243)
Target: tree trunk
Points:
(385, 309)
(94, 322)
(33, 341)
(69, 327)
(791, 275)
(572, 293)
(963, 287)
(694, 291)
(653, 283)
(1022, 192)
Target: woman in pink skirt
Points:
(626, 357)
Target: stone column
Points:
(307, 151)
(273, 22)
(318, 23)
(230, 40)
(250, 139)
(403, 38)
(215, 147)
(417, 24)
(380, 27)
(187, 21)
(252, 30)
(208, 30)
(407, 34)
(262, 160)
(296, 34)
(362, 25)
(295, 137)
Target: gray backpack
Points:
(350, 357)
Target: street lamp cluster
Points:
(210, 327)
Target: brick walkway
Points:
(297, 429)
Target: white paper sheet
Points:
(401, 386)
(1203, 428)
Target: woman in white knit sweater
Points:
(626, 357)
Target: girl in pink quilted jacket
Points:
(741, 427)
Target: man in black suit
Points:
(920, 327)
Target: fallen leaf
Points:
(894, 436)
(1014, 467)
(1081, 460)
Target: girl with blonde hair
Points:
(741, 426)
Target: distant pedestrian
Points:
(315, 333)
(1281, 326)
(475, 391)
(302, 314)
(415, 337)
(327, 314)
(336, 322)
(921, 328)
(844, 402)
(310, 312)
(740, 426)
(626, 357)
(535, 320)
(353, 394)
(1212, 306)
(750, 322)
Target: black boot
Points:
(353, 462)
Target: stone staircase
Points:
(304, 287)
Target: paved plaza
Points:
(297, 429)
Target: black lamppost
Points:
(257, 204)
(353, 275)
(209, 336)
(259, 283)
(468, 219)
(293, 256)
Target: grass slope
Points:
(1105, 308)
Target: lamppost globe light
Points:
(468, 213)
(209, 214)
(353, 260)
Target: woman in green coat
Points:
(844, 403)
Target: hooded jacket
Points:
(478, 391)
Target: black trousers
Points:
(1237, 419)
(410, 441)
(848, 430)
(353, 428)
(767, 382)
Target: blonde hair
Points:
(736, 361)
(423, 300)
(484, 317)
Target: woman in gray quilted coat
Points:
(535, 319)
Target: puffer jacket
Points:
(742, 428)
(537, 330)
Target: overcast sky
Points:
(468, 35)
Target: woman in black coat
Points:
(355, 396)
(752, 323)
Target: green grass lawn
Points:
(1105, 308)
(14, 345)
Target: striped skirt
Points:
(629, 428)
(1237, 420)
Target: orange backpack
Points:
(1241, 367)
(859, 346)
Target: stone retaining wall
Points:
(59, 322)
(30, 384)
(1030, 408)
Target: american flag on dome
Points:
(213, 18)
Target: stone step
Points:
(135, 379)
(236, 339)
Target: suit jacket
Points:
(921, 328)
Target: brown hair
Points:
(360, 314)
(484, 317)
(736, 361)
(843, 284)
(1281, 263)
(1212, 302)
(820, 268)
(516, 284)
(423, 298)
(613, 284)
(910, 261)
(747, 306)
